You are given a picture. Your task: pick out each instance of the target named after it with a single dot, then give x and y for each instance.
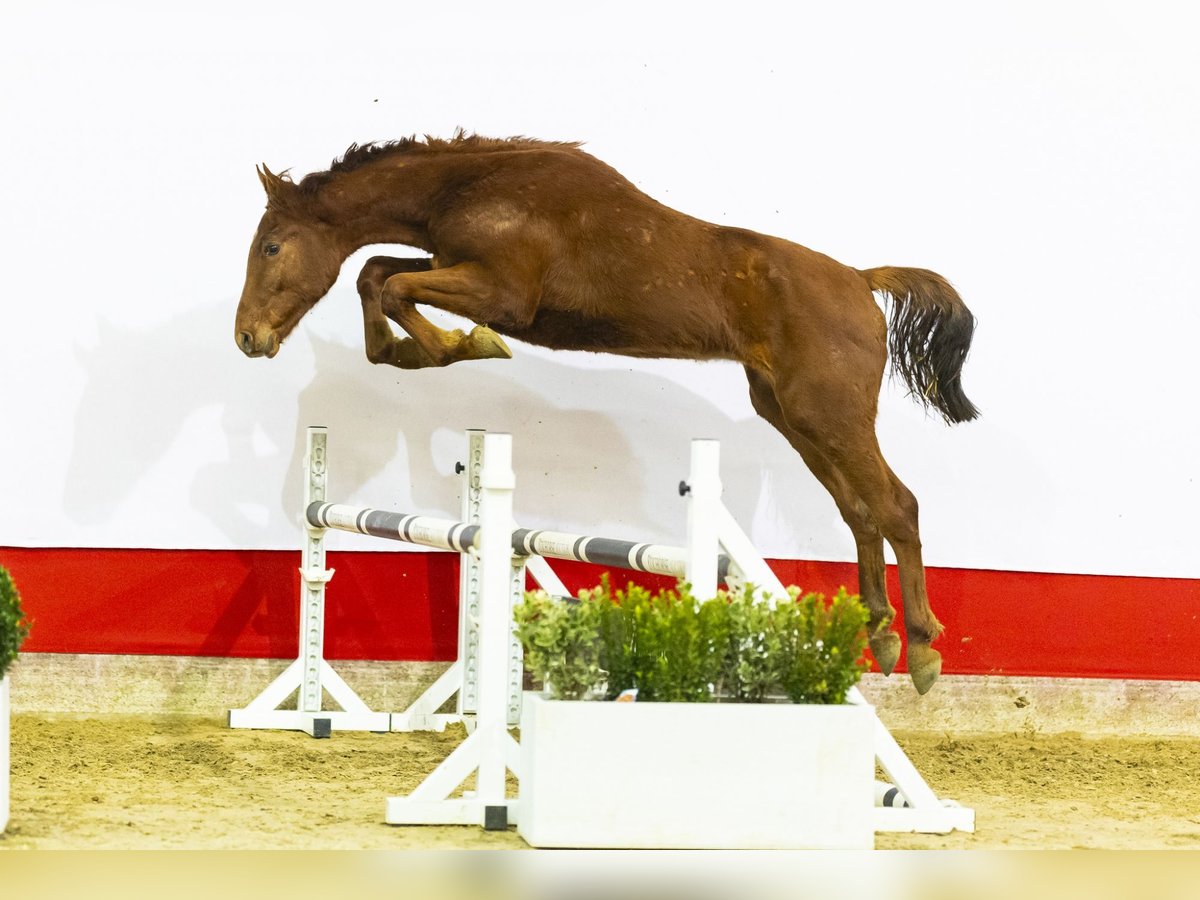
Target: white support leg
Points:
(462, 677)
(924, 812)
(546, 578)
(468, 577)
(313, 576)
(486, 751)
(704, 503)
(514, 658)
(422, 714)
(751, 567)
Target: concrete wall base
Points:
(85, 684)
(1008, 704)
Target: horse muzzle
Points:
(264, 343)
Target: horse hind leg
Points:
(894, 509)
(872, 572)
(837, 416)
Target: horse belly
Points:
(659, 327)
(572, 330)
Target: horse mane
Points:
(359, 155)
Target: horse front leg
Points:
(465, 290)
(427, 345)
(382, 346)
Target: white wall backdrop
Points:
(1043, 156)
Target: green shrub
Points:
(754, 655)
(561, 641)
(667, 645)
(13, 624)
(672, 647)
(822, 646)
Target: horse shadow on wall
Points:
(600, 450)
(596, 451)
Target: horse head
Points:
(293, 263)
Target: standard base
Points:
(317, 724)
(457, 811)
(925, 821)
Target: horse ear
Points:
(278, 188)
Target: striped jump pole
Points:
(446, 534)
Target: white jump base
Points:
(486, 678)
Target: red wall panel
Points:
(404, 606)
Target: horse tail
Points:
(929, 335)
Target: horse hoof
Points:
(486, 344)
(885, 647)
(924, 666)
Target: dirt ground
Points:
(190, 783)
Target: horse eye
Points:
(271, 249)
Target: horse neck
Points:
(392, 200)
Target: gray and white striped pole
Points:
(446, 534)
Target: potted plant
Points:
(739, 737)
(13, 629)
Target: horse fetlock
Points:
(403, 353)
(481, 343)
(882, 615)
(924, 666)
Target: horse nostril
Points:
(245, 342)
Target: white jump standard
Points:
(310, 673)
(487, 675)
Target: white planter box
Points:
(4, 762)
(735, 776)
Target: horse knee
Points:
(378, 354)
(374, 273)
(393, 294)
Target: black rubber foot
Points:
(495, 818)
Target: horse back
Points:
(616, 271)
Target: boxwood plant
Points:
(13, 624)
(672, 647)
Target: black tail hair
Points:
(929, 335)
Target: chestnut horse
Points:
(544, 243)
